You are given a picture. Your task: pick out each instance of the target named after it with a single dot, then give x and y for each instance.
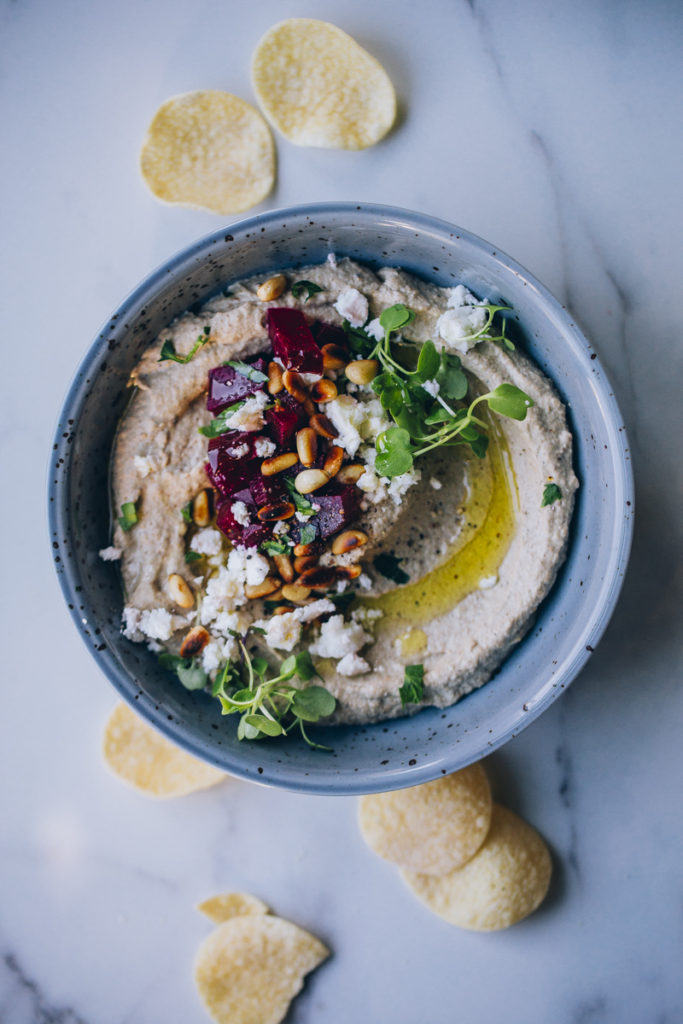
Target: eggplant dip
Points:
(340, 495)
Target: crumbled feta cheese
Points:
(207, 542)
(156, 623)
(375, 329)
(280, 528)
(131, 623)
(364, 581)
(398, 485)
(224, 592)
(264, 447)
(332, 259)
(310, 378)
(143, 464)
(258, 568)
(346, 415)
(216, 653)
(352, 665)
(250, 415)
(486, 582)
(366, 616)
(352, 305)
(239, 450)
(463, 319)
(431, 387)
(309, 612)
(240, 513)
(338, 638)
(283, 632)
(110, 554)
(436, 484)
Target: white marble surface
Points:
(551, 129)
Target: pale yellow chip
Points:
(209, 150)
(318, 87)
(505, 881)
(232, 904)
(249, 969)
(431, 828)
(140, 756)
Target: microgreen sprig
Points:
(271, 706)
(168, 349)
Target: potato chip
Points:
(431, 828)
(318, 87)
(209, 150)
(142, 757)
(249, 969)
(505, 880)
(232, 904)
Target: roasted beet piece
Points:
(266, 490)
(285, 418)
(328, 334)
(337, 509)
(232, 462)
(248, 536)
(293, 341)
(227, 385)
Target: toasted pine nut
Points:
(309, 406)
(277, 596)
(348, 572)
(333, 460)
(179, 591)
(307, 445)
(256, 590)
(323, 426)
(283, 564)
(301, 550)
(348, 540)
(309, 480)
(275, 384)
(351, 473)
(272, 288)
(201, 509)
(334, 357)
(194, 643)
(295, 385)
(295, 593)
(324, 390)
(318, 577)
(275, 511)
(279, 463)
(281, 609)
(362, 371)
(304, 562)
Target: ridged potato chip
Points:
(504, 882)
(431, 828)
(318, 87)
(209, 150)
(248, 970)
(231, 904)
(142, 757)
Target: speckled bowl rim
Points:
(352, 781)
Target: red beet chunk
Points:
(227, 385)
(293, 341)
(328, 334)
(249, 536)
(337, 510)
(285, 418)
(232, 462)
(265, 490)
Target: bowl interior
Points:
(569, 623)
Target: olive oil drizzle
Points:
(489, 524)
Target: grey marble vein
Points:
(24, 1002)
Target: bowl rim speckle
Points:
(345, 781)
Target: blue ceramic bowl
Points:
(570, 622)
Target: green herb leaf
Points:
(186, 512)
(305, 669)
(452, 380)
(360, 343)
(301, 503)
(274, 547)
(394, 455)
(265, 725)
(221, 423)
(192, 556)
(129, 516)
(168, 349)
(389, 567)
(192, 676)
(247, 371)
(313, 703)
(288, 667)
(395, 317)
(428, 362)
(412, 690)
(507, 400)
(307, 534)
(309, 287)
(551, 494)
